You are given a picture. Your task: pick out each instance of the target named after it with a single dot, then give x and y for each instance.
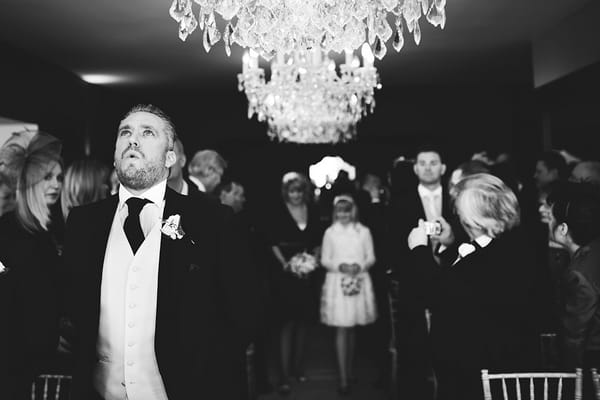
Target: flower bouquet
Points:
(302, 264)
(351, 285)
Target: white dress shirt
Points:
(432, 202)
(198, 183)
(127, 368)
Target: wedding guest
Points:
(30, 251)
(162, 285)
(295, 228)
(347, 298)
(586, 171)
(176, 180)
(480, 292)
(232, 194)
(550, 167)
(86, 181)
(575, 224)
(206, 170)
(426, 200)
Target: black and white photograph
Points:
(300, 199)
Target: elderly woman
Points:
(479, 293)
(30, 253)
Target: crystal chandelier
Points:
(306, 101)
(281, 27)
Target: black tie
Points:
(132, 226)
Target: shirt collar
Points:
(424, 192)
(198, 183)
(483, 240)
(185, 189)
(156, 194)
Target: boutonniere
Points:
(172, 227)
(3, 269)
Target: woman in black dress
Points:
(295, 229)
(30, 252)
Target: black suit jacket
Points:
(404, 213)
(481, 306)
(206, 303)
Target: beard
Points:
(140, 178)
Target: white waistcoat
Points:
(127, 366)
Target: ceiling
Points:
(136, 41)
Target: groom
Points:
(162, 311)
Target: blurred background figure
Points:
(206, 170)
(232, 194)
(86, 181)
(31, 238)
(550, 167)
(114, 182)
(586, 171)
(176, 180)
(7, 195)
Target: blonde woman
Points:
(481, 296)
(30, 251)
(86, 181)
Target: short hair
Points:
(85, 182)
(554, 160)
(204, 160)
(227, 187)
(467, 168)
(428, 148)
(31, 209)
(578, 206)
(152, 109)
(295, 179)
(486, 203)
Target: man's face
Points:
(429, 168)
(584, 173)
(142, 155)
(544, 176)
(235, 198)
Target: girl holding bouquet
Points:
(347, 298)
(295, 235)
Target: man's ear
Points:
(182, 160)
(170, 159)
(415, 168)
(443, 169)
(564, 229)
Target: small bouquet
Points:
(302, 264)
(351, 285)
(3, 269)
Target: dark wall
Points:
(460, 119)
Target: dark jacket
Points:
(581, 311)
(28, 305)
(206, 307)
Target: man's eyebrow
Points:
(124, 127)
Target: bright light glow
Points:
(325, 172)
(102, 79)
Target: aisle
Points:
(322, 375)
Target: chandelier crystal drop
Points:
(282, 27)
(306, 100)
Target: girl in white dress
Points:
(347, 299)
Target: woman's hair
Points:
(578, 206)
(485, 203)
(32, 210)
(86, 181)
(295, 180)
(345, 203)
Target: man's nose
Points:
(134, 139)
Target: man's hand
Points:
(417, 236)
(446, 236)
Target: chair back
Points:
(51, 387)
(596, 382)
(528, 382)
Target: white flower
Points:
(172, 228)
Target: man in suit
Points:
(427, 201)
(162, 308)
(206, 170)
